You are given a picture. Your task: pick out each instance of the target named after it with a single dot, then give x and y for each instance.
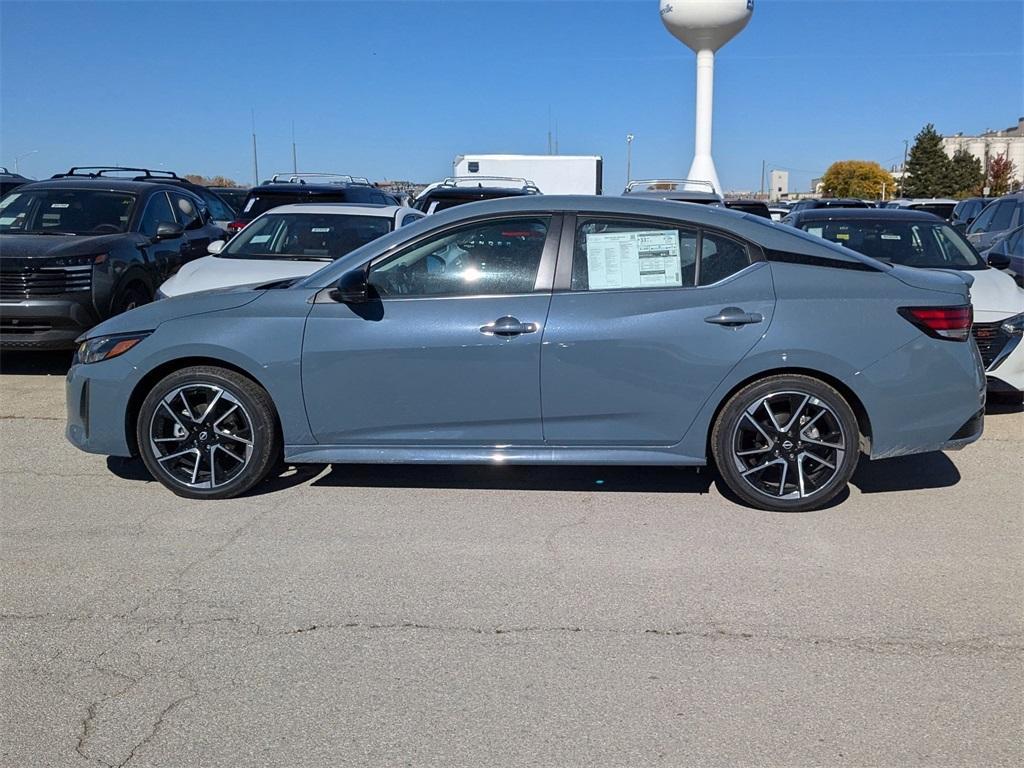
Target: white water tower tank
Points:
(705, 26)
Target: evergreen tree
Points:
(966, 177)
(928, 168)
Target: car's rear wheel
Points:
(207, 433)
(788, 443)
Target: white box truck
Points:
(553, 174)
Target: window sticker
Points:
(319, 229)
(891, 237)
(9, 199)
(638, 259)
(259, 238)
(816, 231)
(60, 205)
(842, 235)
(249, 205)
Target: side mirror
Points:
(165, 230)
(352, 288)
(998, 260)
(215, 247)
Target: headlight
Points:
(1014, 325)
(107, 347)
(77, 261)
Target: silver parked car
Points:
(548, 330)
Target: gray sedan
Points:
(548, 330)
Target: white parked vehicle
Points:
(288, 242)
(555, 174)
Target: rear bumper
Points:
(968, 433)
(44, 323)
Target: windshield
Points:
(932, 245)
(66, 211)
(305, 236)
(261, 203)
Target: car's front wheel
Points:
(787, 443)
(207, 433)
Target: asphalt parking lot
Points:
(442, 616)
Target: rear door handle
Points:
(734, 316)
(507, 326)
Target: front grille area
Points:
(9, 325)
(45, 281)
(991, 338)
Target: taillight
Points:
(236, 226)
(952, 323)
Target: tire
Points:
(208, 433)
(133, 296)
(787, 443)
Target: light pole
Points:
(19, 158)
(629, 158)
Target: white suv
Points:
(288, 242)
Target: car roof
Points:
(111, 184)
(863, 214)
(293, 188)
(343, 209)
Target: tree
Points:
(966, 177)
(857, 178)
(928, 167)
(212, 181)
(1002, 175)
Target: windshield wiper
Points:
(38, 232)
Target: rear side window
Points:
(720, 257)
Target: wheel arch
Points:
(854, 401)
(146, 383)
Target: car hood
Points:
(149, 316)
(22, 248)
(218, 272)
(995, 296)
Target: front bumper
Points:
(44, 323)
(96, 397)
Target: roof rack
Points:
(319, 178)
(475, 181)
(102, 171)
(670, 185)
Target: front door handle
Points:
(507, 326)
(734, 316)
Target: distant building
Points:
(991, 144)
(779, 187)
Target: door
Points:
(654, 317)
(447, 352)
(164, 255)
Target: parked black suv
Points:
(458, 190)
(288, 188)
(810, 204)
(85, 245)
(9, 181)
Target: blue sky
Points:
(397, 89)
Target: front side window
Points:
(483, 259)
(912, 244)
(187, 212)
(305, 236)
(614, 254)
(70, 211)
(158, 211)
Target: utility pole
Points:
(763, 164)
(255, 159)
(629, 158)
(295, 162)
(549, 129)
(19, 158)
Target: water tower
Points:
(705, 26)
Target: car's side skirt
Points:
(369, 454)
